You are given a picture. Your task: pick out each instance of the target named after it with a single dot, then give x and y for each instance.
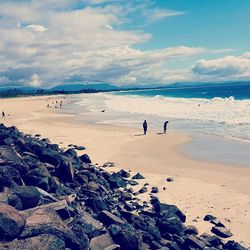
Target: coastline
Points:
(199, 187)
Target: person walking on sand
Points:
(145, 127)
(3, 114)
(165, 127)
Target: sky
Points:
(133, 42)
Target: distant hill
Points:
(79, 87)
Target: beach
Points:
(198, 187)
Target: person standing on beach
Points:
(165, 127)
(3, 114)
(145, 127)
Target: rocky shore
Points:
(52, 199)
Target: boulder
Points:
(124, 173)
(172, 225)
(232, 245)
(102, 242)
(138, 176)
(46, 221)
(154, 190)
(191, 230)
(29, 195)
(66, 170)
(85, 158)
(116, 181)
(107, 218)
(221, 232)
(128, 239)
(11, 222)
(41, 242)
(194, 242)
(143, 190)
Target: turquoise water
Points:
(238, 92)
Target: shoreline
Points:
(198, 188)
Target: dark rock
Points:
(29, 195)
(15, 201)
(132, 182)
(46, 221)
(97, 204)
(41, 242)
(11, 222)
(124, 173)
(85, 158)
(209, 217)
(138, 176)
(172, 225)
(169, 179)
(50, 157)
(167, 211)
(232, 245)
(128, 239)
(192, 241)
(79, 147)
(154, 190)
(191, 230)
(116, 181)
(143, 190)
(66, 170)
(154, 231)
(211, 240)
(9, 177)
(221, 232)
(8, 156)
(108, 218)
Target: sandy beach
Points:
(199, 187)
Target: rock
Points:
(46, 221)
(138, 176)
(154, 190)
(154, 231)
(127, 196)
(172, 225)
(128, 239)
(102, 242)
(209, 217)
(15, 201)
(232, 245)
(79, 147)
(48, 156)
(29, 195)
(9, 177)
(221, 232)
(167, 211)
(11, 222)
(97, 204)
(192, 241)
(211, 240)
(169, 179)
(41, 242)
(133, 183)
(66, 170)
(8, 156)
(116, 181)
(85, 158)
(143, 190)
(107, 218)
(124, 173)
(191, 230)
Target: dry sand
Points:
(199, 188)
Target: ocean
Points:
(218, 115)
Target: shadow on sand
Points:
(139, 135)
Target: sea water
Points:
(220, 112)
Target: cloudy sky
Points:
(50, 42)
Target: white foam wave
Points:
(221, 110)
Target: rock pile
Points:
(53, 199)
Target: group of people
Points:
(145, 127)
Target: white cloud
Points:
(157, 14)
(224, 68)
(36, 28)
(35, 80)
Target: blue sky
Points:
(51, 42)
